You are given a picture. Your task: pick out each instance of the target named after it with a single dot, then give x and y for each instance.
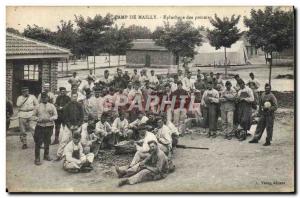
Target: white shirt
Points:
(133, 93)
(85, 137)
(103, 128)
(164, 135)
(108, 102)
(188, 84)
(248, 92)
(172, 127)
(255, 81)
(173, 86)
(87, 86)
(148, 137)
(68, 151)
(106, 80)
(213, 94)
(26, 109)
(118, 124)
(138, 122)
(153, 79)
(51, 97)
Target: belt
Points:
(26, 110)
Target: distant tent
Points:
(207, 55)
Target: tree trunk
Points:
(67, 66)
(177, 61)
(266, 58)
(62, 68)
(225, 63)
(108, 59)
(270, 72)
(119, 60)
(94, 62)
(87, 62)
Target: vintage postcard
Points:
(175, 99)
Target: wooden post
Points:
(225, 63)
(62, 68)
(94, 63)
(108, 59)
(270, 72)
(87, 61)
(67, 66)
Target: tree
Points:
(91, 34)
(139, 32)
(66, 36)
(39, 33)
(117, 41)
(124, 41)
(13, 30)
(224, 34)
(272, 30)
(180, 39)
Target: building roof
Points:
(19, 47)
(146, 44)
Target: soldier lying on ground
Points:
(154, 167)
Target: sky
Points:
(19, 17)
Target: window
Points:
(31, 72)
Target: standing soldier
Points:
(209, 104)
(227, 99)
(74, 80)
(245, 98)
(135, 77)
(26, 103)
(46, 114)
(254, 81)
(179, 112)
(267, 107)
(60, 102)
(9, 113)
(46, 89)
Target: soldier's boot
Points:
(55, 141)
(208, 134)
(243, 135)
(46, 154)
(213, 134)
(120, 172)
(123, 182)
(23, 140)
(253, 141)
(268, 143)
(37, 160)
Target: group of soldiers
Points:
(148, 111)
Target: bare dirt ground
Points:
(228, 165)
(261, 72)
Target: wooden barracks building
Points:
(31, 63)
(145, 53)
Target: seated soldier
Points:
(163, 135)
(154, 167)
(174, 133)
(120, 128)
(142, 146)
(142, 119)
(104, 131)
(90, 139)
(66, 137)
(75, 160)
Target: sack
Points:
(125, 147)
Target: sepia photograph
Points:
(148, 99)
